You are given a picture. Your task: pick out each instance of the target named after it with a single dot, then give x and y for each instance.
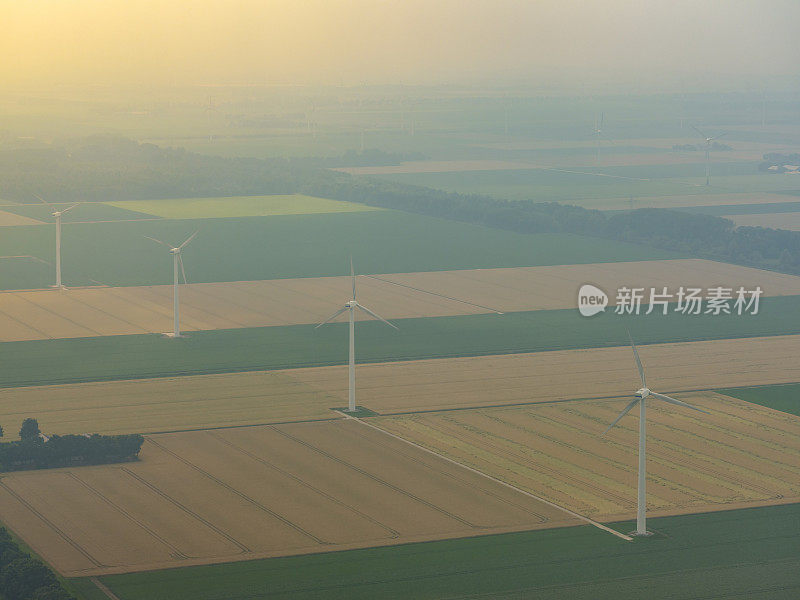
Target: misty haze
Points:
(407, 299)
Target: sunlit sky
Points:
(46, 42)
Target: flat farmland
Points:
(10, 219)
(239, 206)
(690, 200)
(787, 220)
(739, 455)
(166, 404)
(239, 494)
(390, 388)
(290, 246)
(103, 311)
(256, 397)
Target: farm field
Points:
(787, 220)
(583, 185)
(48, 314)
(738, 455)
(390, 388)
(785, 398)
(239, 206)
(239, 494)
(698, 201)
(291, 346)
(290, 246)
(84, 212)
(308, 393)
(10, 219)
(584, 159)
(742, 553)
(166, 404)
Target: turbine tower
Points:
(351, 306)
(57, 214)
(708, 150)
(598, 130)
(177, 260)
(639, 398)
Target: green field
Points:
(239, 206)
(249, 248)
(582, 185)
(137, 356)
(85, 211)
(751, 553)
(785, 398)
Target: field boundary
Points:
(495, 480)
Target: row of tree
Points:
(23, 577)
(34, 451)
(109, 168)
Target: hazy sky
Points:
(411, 41)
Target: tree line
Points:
(35, 451)
(23, 577)
(111, 168)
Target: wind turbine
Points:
(351, 306)
(57, 214)
(176, 261)
(708, 150)
(598, 130)
(640, 396)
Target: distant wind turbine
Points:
(708, 150)
(598, 131)
(57, 214)
(351, 306)
(177, 261)
(640, 396)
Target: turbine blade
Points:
(180, 260)
(624, 412)
(717, 136)
(602, 116)
(380, 318)
(43, 200)
(189, 239)
(332, 317)
(677, 402)
(70, 208)
(700, 132)
(638, 361)
(158, 241)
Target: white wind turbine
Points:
(598, 131)
(57, 214)
(640, 396)
(708, 150)
(351, 306)
(176, 261)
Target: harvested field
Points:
(165, 404)
(88, 312)
(412, 386)
(204, 401)
(740, 455)
(240, 494)
(8, 219)
(789, 220)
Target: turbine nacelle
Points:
(642, 393)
